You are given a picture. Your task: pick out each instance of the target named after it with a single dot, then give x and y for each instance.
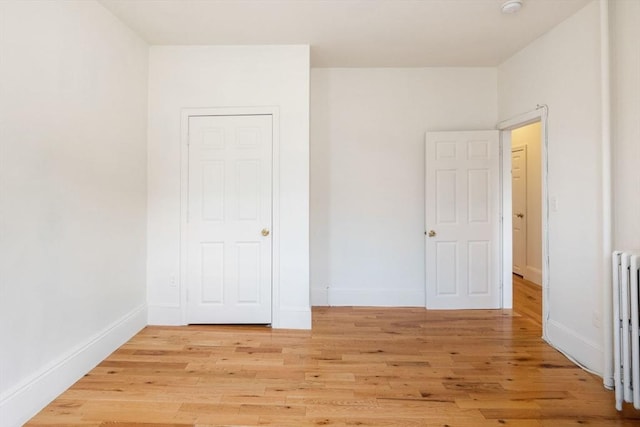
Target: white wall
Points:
(72, 196)
(243, 76)
(625, 80)
(530, 137)
(562, 69)
(367, 174)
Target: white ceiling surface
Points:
(352, 33)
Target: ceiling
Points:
(352, 33)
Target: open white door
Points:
(462, 211)
(229, 219)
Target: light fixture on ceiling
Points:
(511, 6)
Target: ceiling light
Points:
(511, 6)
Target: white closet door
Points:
(229, 219)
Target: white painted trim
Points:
(506, 231)
(276, 319)
(541, 114)
(607, 198)
(184, 211)
(569, 343)
(520, 120)
(274, 112)
(533, 274)
(164, 315)
(294, 318)
(390, 297)
(546, 281)
(319, 297)
(25, 400)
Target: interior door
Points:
(462, 220)
(519, 208)
(229, 219)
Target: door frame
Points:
(274, 112)
(540, 114)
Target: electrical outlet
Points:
(172, 280)
(553, 201)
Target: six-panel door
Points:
(462, 220)
(519, 208)
(229, 219)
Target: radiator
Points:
(626, 336)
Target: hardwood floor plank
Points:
(129, 411)
(357, 366)
(527, 299)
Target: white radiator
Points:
(626, 335)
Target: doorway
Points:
(519, 214)
(526, 177)
(526, 189)
(227, 247)
(525, 207)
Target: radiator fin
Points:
(626, 321)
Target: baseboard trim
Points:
(165, 315)
(294, 318)
(533, 274)
(25, 400)
(376, 297)
(319, 297)
(585, 352)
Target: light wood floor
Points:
(358, 366)
(527, 299)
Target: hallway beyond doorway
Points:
(527, 299)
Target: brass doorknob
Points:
(265, 232)
(432, 233)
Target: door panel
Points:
(519, 210)
(446, 196)
(229, 205)
(462, 210)
(212, 190)
(478, 192)
(478, 272)
(212, 263)
(248, 273)
(446, 260)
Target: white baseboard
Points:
(584, 351)
(319, 297)
(294, 318)
(164, 315)
(25, 400)
(376, 297)
(533, 274)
